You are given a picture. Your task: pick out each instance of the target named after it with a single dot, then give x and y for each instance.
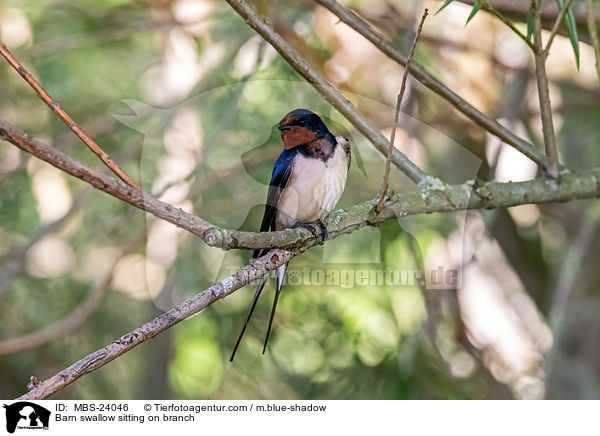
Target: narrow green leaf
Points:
(444, 5)
(475, 9)
(571, 29)
(529, 23)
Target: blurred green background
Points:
(186, 98)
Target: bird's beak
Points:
(282, 128)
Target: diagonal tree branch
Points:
(189, 307)
(65, 118)
(426, 79)
(451, 198)
(332, 95)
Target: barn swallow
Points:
(307, 181)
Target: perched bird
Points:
(307, 181)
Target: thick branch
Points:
(189, 307)
(426, 79)
(332, 95)
(447, 199)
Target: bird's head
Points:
(302, 127)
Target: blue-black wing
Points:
(279, 179)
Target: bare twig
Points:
(544, 93)
(593, 29)
(455, 197)
(386, 176)
(332, 95)
(426, 79)
(74, 319)
(189, 307)
(559, 19)
(65, 117)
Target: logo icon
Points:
(26, 415)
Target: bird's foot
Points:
(312, 228)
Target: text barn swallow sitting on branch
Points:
(307, 181)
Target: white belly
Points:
(313, 189)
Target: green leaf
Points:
(443, 6)
(475, 9)
(571, 29)
(529, 23)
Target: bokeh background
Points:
(186, 97)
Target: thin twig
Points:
(386, 176)
(74, 319)
(189, 307)
(591, 22)
(491, 9)
(544, 93)
(491, 195)
(559, 19)
(427, 80)
(53, 104)
(332, 95)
